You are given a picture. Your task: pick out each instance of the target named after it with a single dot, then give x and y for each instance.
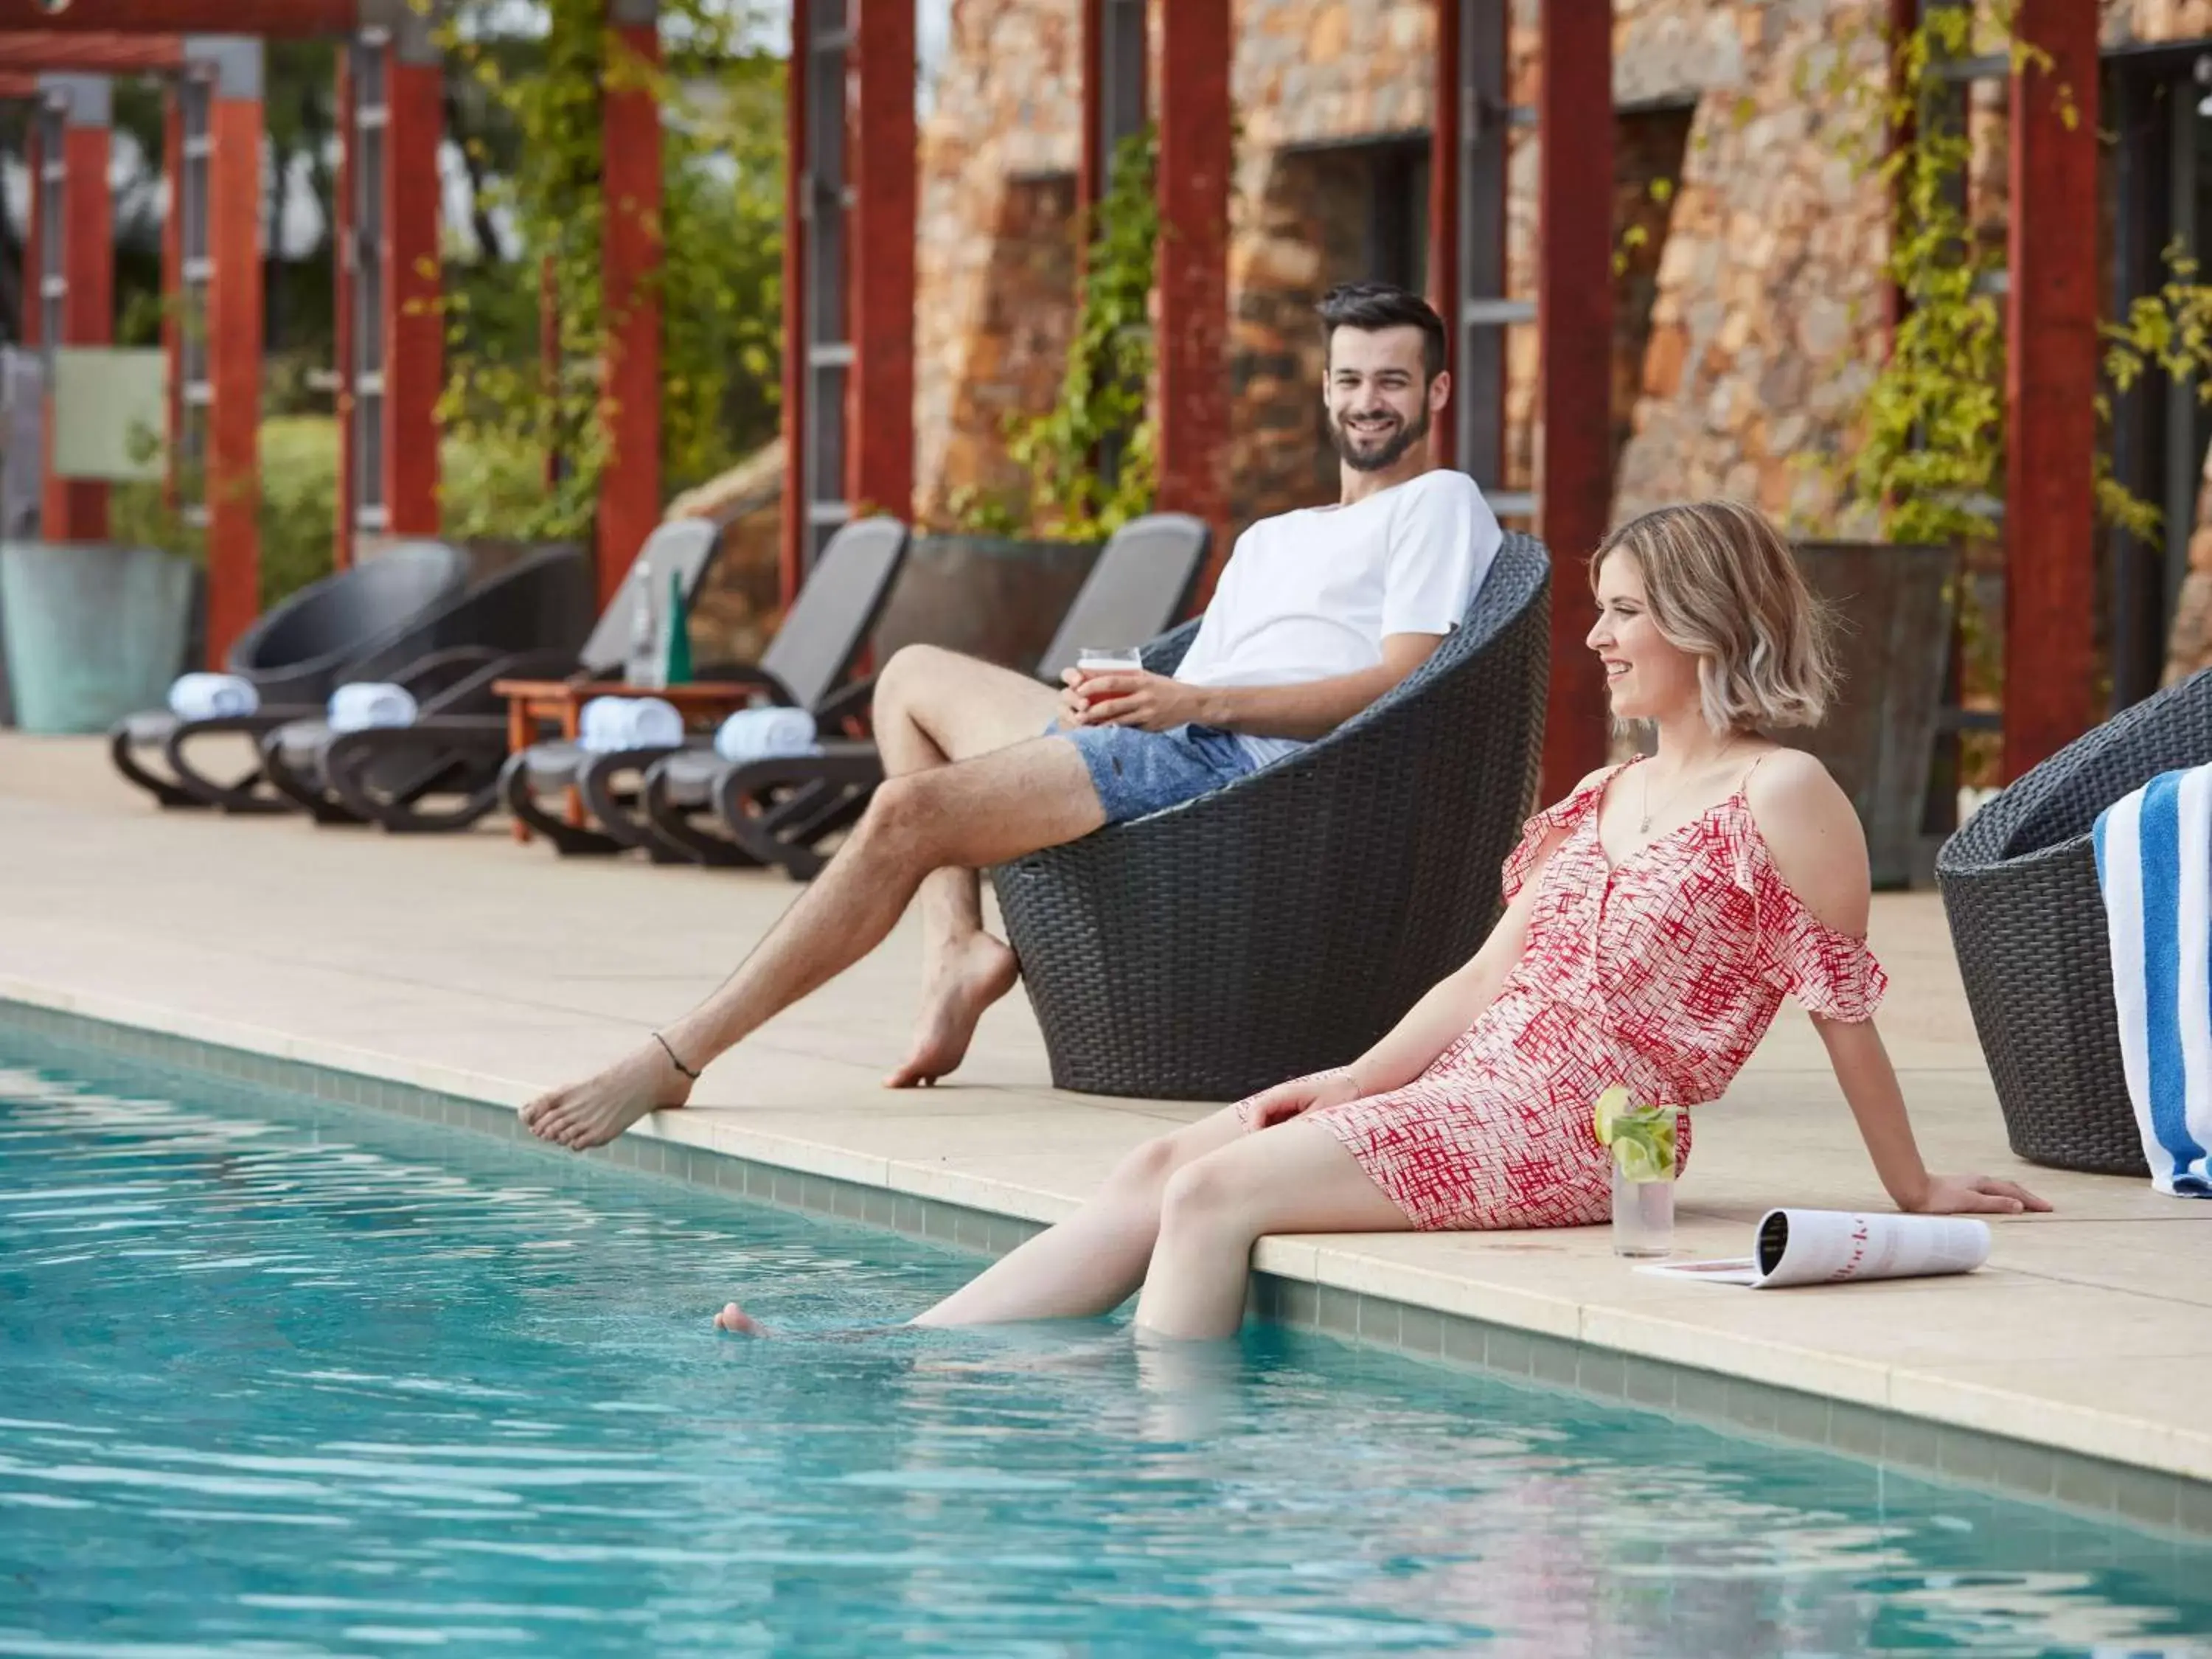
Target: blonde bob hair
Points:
(1723, 586)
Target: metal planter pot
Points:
(93, 632)
(1893, 605)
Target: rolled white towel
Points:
(212, 696)
(765, 734)
(366, 703)
(610, 724)
(603, 723)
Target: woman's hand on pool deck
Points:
(594, 1112)
(1298, 1096)
(1975, 1195)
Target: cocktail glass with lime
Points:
(1642, 1141)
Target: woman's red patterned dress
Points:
(1662, 974)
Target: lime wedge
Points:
(1640, 1162)
(1611, 1106)
(1644, 1143)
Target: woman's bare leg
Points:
(1296, 1177)
(1089, 1263)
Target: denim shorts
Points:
(1136, 772)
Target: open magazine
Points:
(1826, 1247)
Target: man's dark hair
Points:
(1370, 307)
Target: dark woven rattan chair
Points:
(2028, 923)
(1283, 924)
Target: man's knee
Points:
(904, 680)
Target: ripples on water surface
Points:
(283, 1379)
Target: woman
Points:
(1657, 917)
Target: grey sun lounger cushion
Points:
(804, 665)
(1283, 923)
(360, 623)
(782, 811)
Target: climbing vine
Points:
(1089, 462)
(535, 421)
(1930, 467)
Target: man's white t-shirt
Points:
(1310, 595)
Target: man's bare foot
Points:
(594, 1112)
(980, 972)
(736, 1319)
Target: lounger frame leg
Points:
(167, 792)
(781, 810)
(520, 796)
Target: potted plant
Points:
(97, 630)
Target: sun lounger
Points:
(530, 619)
(805, 666)
(371, 619)
(779, 812)
(441, 772)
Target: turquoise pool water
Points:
(284, 1379)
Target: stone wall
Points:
(1749, 317)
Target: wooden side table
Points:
(534, 704)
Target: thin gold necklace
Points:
(1645, 826)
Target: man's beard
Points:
(1375, 460)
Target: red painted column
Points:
(2050, 388)
(1195, 138)
(629, 263)
(414, 327)
(1093, 163)
(1447, 154)
(234, 328)
(76, 509)
(1574, 326)
(792, 561)
(343, 256)
(881, 150)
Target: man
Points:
(1319, 612)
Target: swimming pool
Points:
(278, 1378)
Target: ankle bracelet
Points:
(672, 1059)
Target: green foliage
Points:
(1931, 462)
(298, 507)
(298, 502)
(1931, 454)
(1101, 408)
(721, 223)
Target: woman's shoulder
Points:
(1812, 835)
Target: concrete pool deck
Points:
(472, 967)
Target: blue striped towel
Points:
(2155, 865)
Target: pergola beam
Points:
(390, 334)
(91, 54)
(225, 83)
(2051, 385)
(630, 253)
(849, 221)
(1196, 136)
(1574, 323)
(881, 285)
(78, 296)
(275, 20)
